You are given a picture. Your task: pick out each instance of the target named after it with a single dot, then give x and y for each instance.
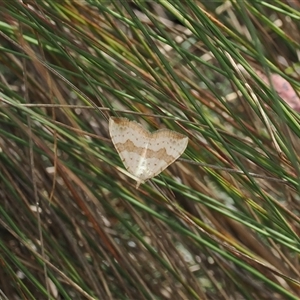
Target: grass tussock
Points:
(220, 223)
